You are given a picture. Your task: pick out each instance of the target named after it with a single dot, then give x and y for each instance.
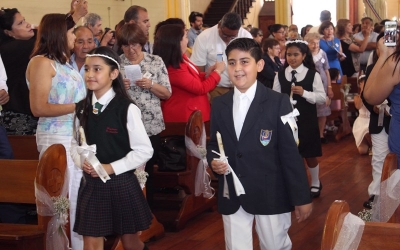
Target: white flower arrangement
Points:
(141, 175)
(296, 41)
(365, 215)
(61, 205)
(202, 150)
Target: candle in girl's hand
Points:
(220, 145)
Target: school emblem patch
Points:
(265, 136)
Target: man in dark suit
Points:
(261, 152)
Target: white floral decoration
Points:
(202, 150)
(141, 176)
(61, 204)
(365, 215)
(296, 41)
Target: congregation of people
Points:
(118, 88)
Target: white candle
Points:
(220, 145)
(82, 135)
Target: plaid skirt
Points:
(115, 207)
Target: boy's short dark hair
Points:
(247, 45)
(193, 15)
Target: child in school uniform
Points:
(303, 84)
(113, 123)
(360, 126)
(261, 152)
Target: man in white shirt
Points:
(138, 14)
(366, 24)
(213, 42)
(83, 44)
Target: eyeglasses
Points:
(260, 35)
(225, 36)
(130, 46)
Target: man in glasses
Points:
(196, 25)
(210, 47)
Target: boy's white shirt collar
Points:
(298, 69)
(250, 93)
(105, 99)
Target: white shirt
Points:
(139, 142)
(75, 66)
(238, 113)
(208, 44)
(3, 76)
(372, 38)
(318, 94)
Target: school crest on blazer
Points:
(265, 136)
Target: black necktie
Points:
(97, 108)
(293, 76)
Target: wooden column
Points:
(342, 9)
(282, 12)
(353, 6)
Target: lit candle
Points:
(220, 145)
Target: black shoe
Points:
(368, 203)
(318, 193)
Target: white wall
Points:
(252, 17)
(199, 5)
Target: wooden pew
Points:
(24, 147)
(189, 204)
(389, 166)
(339, 110)
(17, 186)
(376, 235)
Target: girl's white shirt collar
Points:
(105, 99)
(298, 69)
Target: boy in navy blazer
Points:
(262, 153)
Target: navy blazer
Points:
(273, 176)
(267, 75)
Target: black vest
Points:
(109, 130)
(306, 109)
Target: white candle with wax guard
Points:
(220, 145)
(82, 135)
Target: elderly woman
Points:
(351, 64)
(331, 45)
(321, 65)
(271, 50)
(148, 91)
(189, 86)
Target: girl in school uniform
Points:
(112, 122)
(303, 84)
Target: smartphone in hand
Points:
(390, 35)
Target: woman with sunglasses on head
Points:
(17, 39)
(55, 86)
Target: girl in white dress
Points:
(360, 126)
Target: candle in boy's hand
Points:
(220, 145)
